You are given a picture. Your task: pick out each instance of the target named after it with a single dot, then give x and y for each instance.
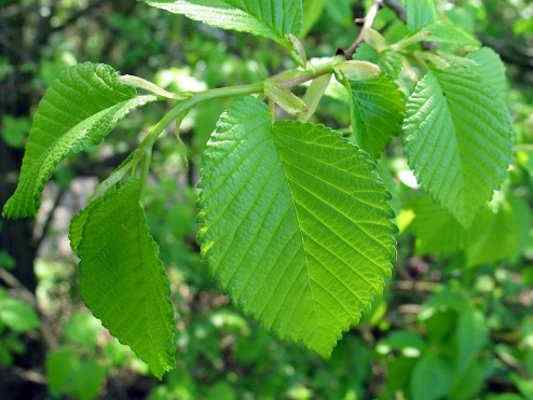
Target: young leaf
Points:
(358, 70)
(274, 19)
(313, 95)
(378, 108)
(420, 13)
(122, 279)
(284, 98)
(458, 139)
(80, 108)
(296, 224)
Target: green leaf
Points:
(505, 396)
(356, 70)
(340, 12)
(274, 19)
(296, 224)
(314, 94)
(496, 235)
(469, 383)
(472, 336)
(122, 279)
(389, 61)
(431, 378)
(312, 10)
(284, 98)
(67, 374)
(6, 261)
(14, 130)
(525, 386)
(491, 67)
(420, 13)
(82, 329)
(450, 37)
(80, 108)
(458, 139)
(378, 109)
(435, 229)
(18, 315)
(410, 343)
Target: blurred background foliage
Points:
(453, 324)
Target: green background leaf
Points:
(431, 378)
(18, 315)
(68, 374)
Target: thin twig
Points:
(369, 21)
(15, 284)
(49, 218)
(398, 9)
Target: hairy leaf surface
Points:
(378, 109)
(296, 224)
(79, 109)
(122, 279)
(274, 19)
(458, 139)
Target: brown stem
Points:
(368, 22)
